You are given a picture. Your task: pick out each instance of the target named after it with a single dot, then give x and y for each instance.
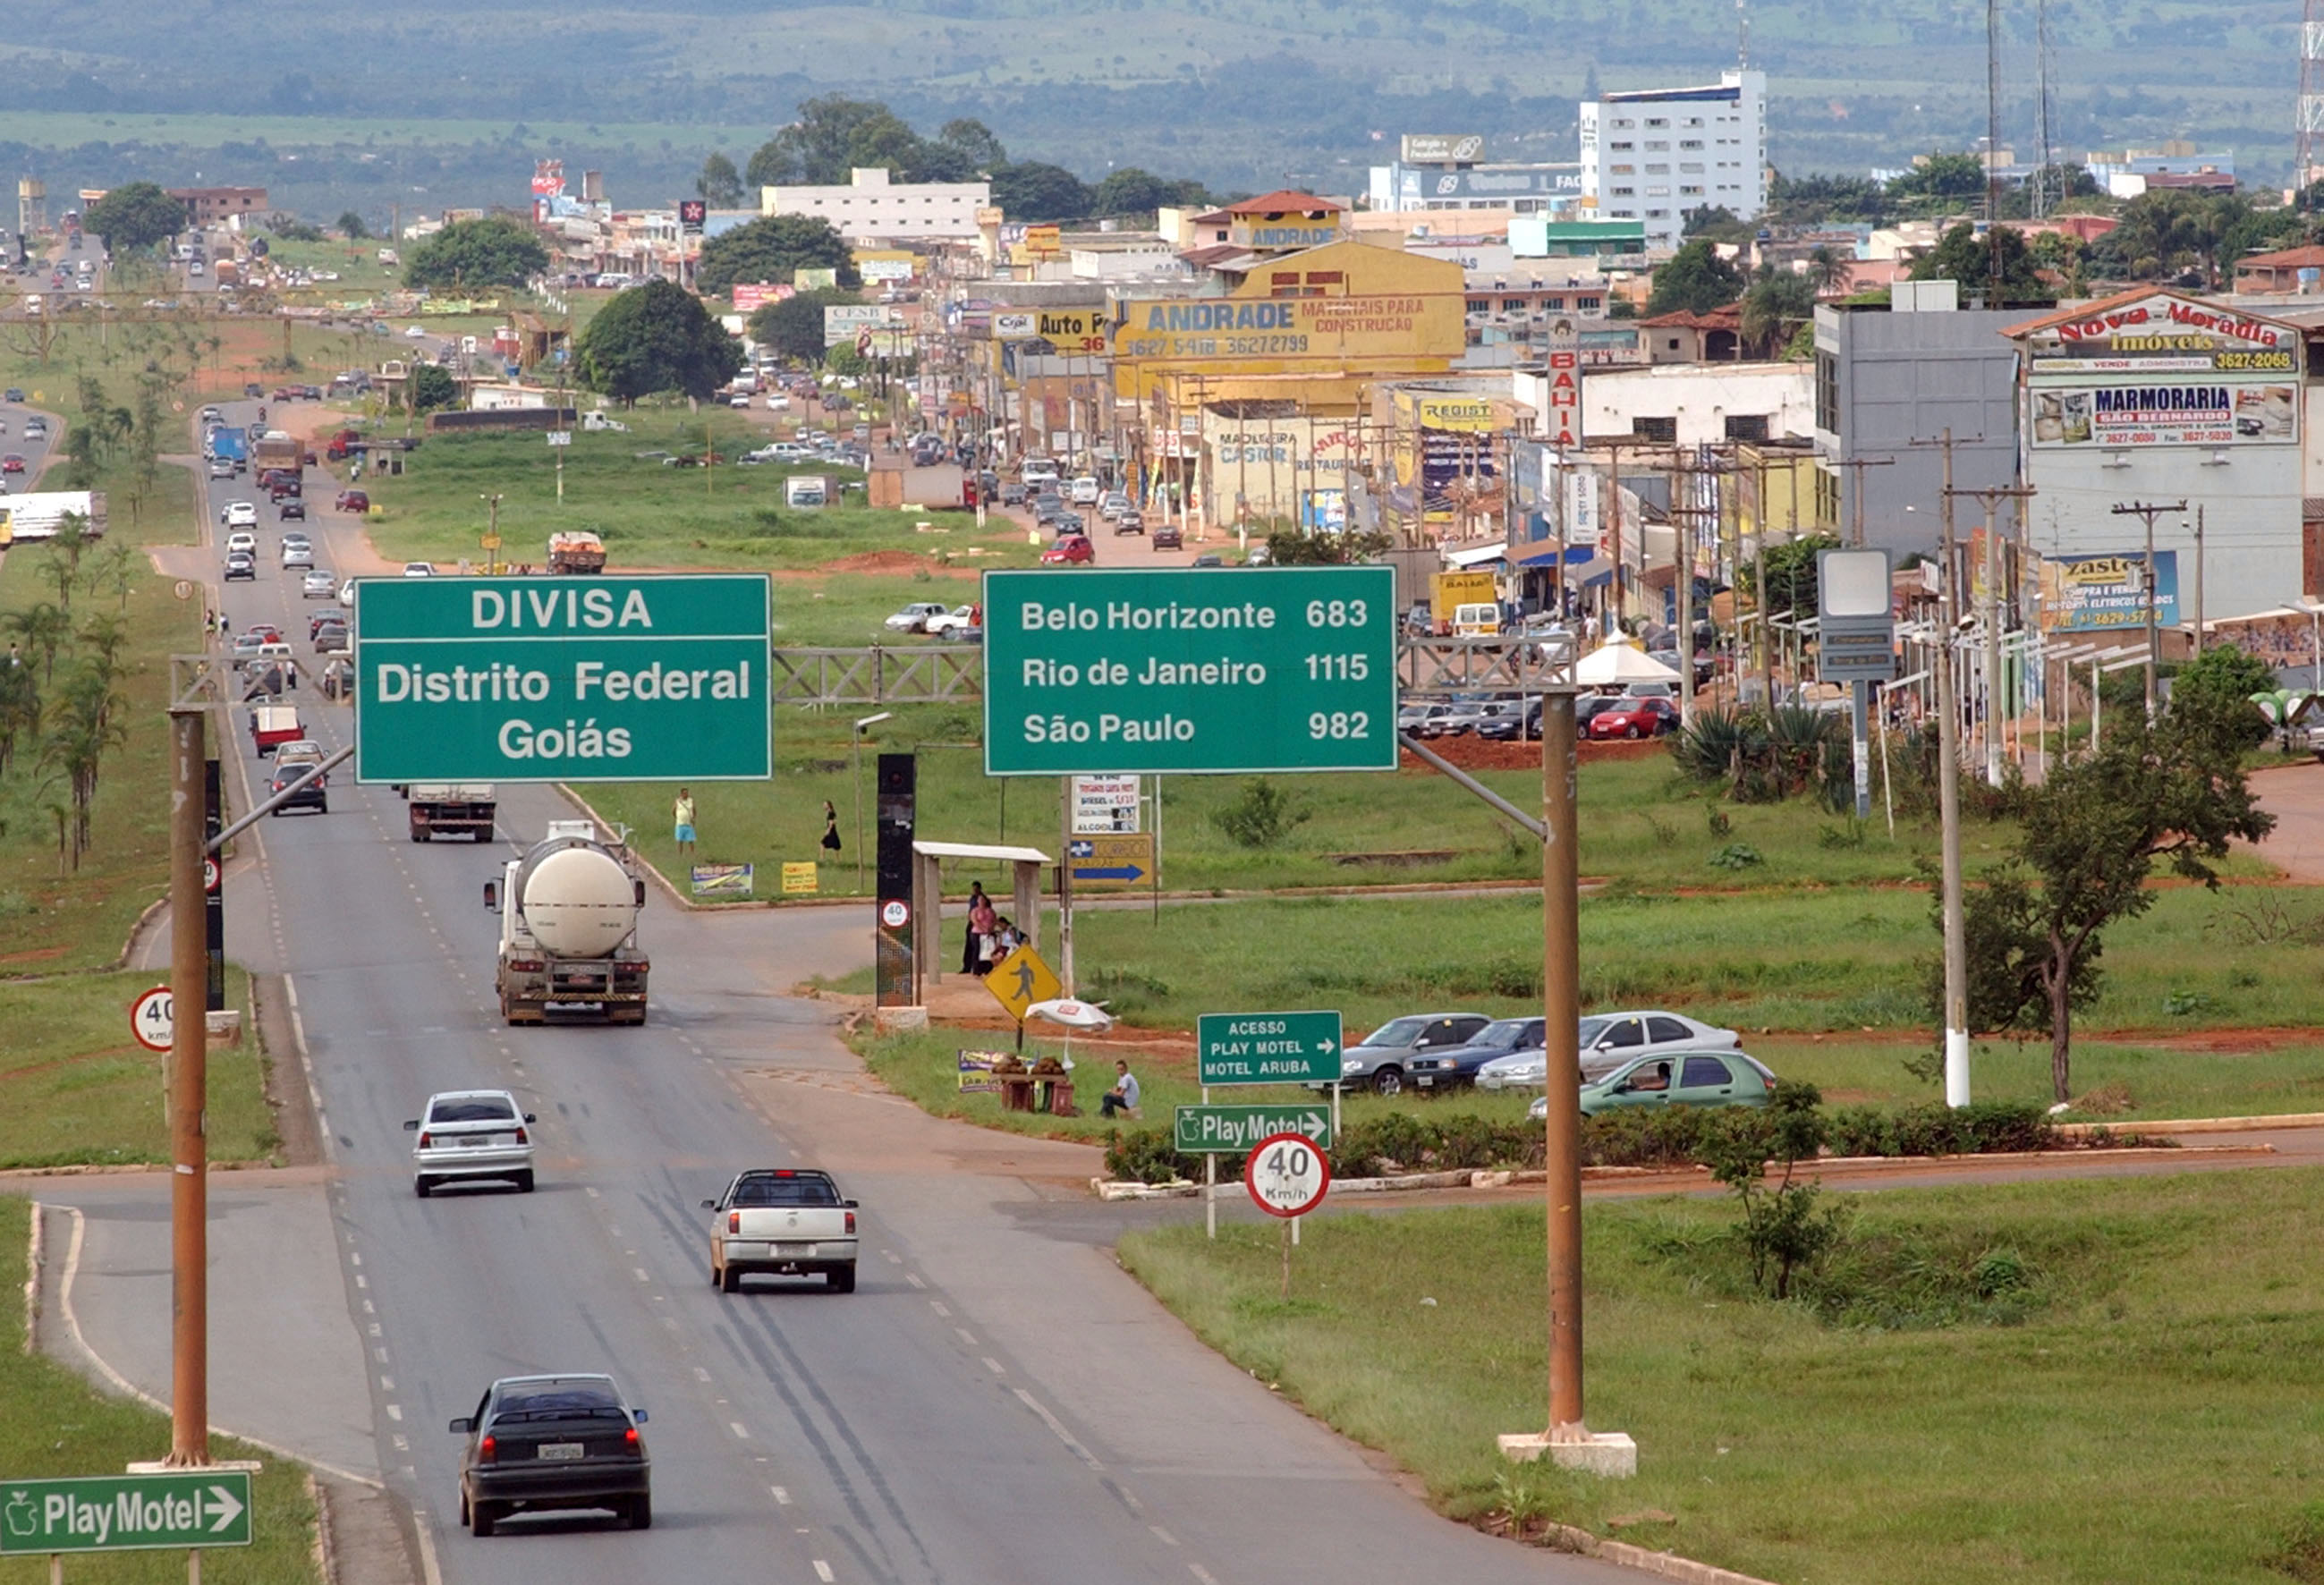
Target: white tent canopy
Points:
(1620, 665)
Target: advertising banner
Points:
(842, 322)
(749, 300)
(2165, 334)
(816, 280)
(2099, 593)
(715, 880)
(1399, 327)
(885, 343)
(1106, 805)
(1436, 148)
(2121, 417)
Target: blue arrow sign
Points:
(1105, 872)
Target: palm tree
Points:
(42, 628)
(1828, 270)
(83, 724)
(19, 710)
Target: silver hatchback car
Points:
(471, 1134)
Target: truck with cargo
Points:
(576, 551)
(275, 449)
(452, 807)
(230, 446)
(940, 486)
(569, 910)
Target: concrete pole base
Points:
(899, 1018)
(1609, 1453)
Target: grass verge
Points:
(2081, 1383)
(81, 1092)
(54, 1423)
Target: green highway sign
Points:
(1190, 670)
(126, 1513)
(1268, 1048)
(1213, 1130)
(566, 678)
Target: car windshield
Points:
(1503, 1032)
(479, 1110)
(560, 1400)
(1397, 1032)
(1591, 1028)
(775, 1191)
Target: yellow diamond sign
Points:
(1021, 979)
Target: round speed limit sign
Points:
(1286, 1175)
(152, 1018)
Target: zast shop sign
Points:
(543, 680)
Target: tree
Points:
(772, 248)
(42, 628)
(815, 149)
(720, 185)
(1828, 270)
(1296, 547)
(1940, 181)
(1790, 572)
(1716, 222)
(975, 139)
(1696, 279)
(1962, 256)
(1031, 191)
(134, 217)
(656, 338)
(2170, 791)
(492, 251)
(794, 326)
(351, 226)
(1129, 191)
(20, 709)
(431, 387)
(1779, 301)
(2224, 678)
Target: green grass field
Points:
(54, 1423)
(2068, 1383)
(81, 1092)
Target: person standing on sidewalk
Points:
(976, 951)
(682, 813)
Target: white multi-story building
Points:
(870, 208)
(1656, 153)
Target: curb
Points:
(1668, 1564)
(2198, 1125)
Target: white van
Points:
(805, 490)
(1085, 491)
(1038, 471)
(1480, 621)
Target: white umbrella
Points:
(1621, 665)
(1069, 1015)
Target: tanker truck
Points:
(569, 913)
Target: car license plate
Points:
(1423, 1079)
(792, 1252)
(558, 1450)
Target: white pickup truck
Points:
(787, 1221)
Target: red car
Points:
(1070, 549)
(264, 631)
(1633, 718)
(353, 501)
(12, 463)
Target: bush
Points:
(1643, 1136)
(1932, 1129)
(1261, 817)
(1147, 1156)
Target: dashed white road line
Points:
(822, 1571)
(1058, 1427)
(782, 1498)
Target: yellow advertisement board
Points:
(1467, 415)
(1392, 327)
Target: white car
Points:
(318, 585)
(239, 514)
(958, 618)
(467, 1135)
(416, 333)
(778, 402)
(297, 555)
(1608, 1041)
(244, 540)
(418, 569)
(1085, 491)
(914, 618)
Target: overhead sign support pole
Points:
(190, 1417)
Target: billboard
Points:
(885, 343)
(842, 322)
(2127, 417)
(691, 214)
(2100, 593)
(1397, 326)
(808, 280)
(2163, 334)
(884, 266)
(749, 300)
(1416, 189)
(1437, 148)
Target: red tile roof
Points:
(1284, 201)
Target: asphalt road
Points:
(996, 1403)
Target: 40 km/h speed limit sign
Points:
(152, 1018)
(1286, 1175)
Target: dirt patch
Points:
(891, 562)
(1471, 752)
(34, 954)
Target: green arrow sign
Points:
(1268, 1048)
(126, 1513)
(558, 680)
(1190, 669)
(1211, 1130)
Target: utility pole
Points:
(1856, 496)
(1949, 799)
(2198, 583)
(2150, 511)
(491, 534)
(1989, 618)
(188, 1088)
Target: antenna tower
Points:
(1992, 149)
(1743, 32)
(2309, 123)
(2045, 64)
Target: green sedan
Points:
(1677, 1078)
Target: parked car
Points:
(1678, 1078)
(1069, 550)
(13, 394)
(1513, 719)
(1381, 1058)
(542, 1443)
(1635, 718)
(1208, 559)
(952, 623)
(914, 618)
(1445, 1067)
(1608, 1041)
(355, 501)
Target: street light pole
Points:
(188, 1087)
(1956, 1091)
(2150, 511)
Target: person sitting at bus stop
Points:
(1123, 1096)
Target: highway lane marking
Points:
(938, 1306)
(387, 1384)
(641, 1273)
(402, 1445)
(381, 1354)
(1058, 1427)
(822, 1571)
(913, 1278)
(1164, 1536)
(1201, 1573)
(361, 1281)
(355, 1257)
(995, 1366)
(741, 1432)
(782, 1498)
(965, 1335)
(891, 1257)
(700, 1374)
(395, 1411)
